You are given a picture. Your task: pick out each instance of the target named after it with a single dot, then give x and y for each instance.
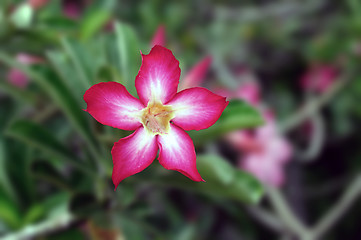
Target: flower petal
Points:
(158, 76)
(176, 152)
(111, 104)
(264, 168)
(195, 76)
(197, 108)
(250, 92)
(133, 154)
(159, 37)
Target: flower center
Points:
(156, 117)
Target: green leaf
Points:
(62, 96)
(58, 23)
(108, 73)
(237, 115)
(127, 46)
(37, 136)
(35, 213)
(20, 94)
(66, 71)
(227, 180)
(93, 22)
(5, 182)
(222, 180)
(9, 211)
(77, 54)
(56, 204)
(215, 168)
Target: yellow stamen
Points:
(156, 117)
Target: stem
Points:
(312, 106)
(285, 213)
(347, 199)
(266, 218)
(36, 230)
(316, 142)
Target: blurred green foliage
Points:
(55, 160)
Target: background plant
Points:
(55, 160)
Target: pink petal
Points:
(159, 37)
(195, 76)
(28, 59)
(111, 104)
(158, 76)
(278, 149)
(197, 108)
(133, 154)
(319, 78)
(176, 152)
(266, 170)
(244, 140)
(250, 92)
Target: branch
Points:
(267, 218)
(42, 228)
(316, 142)
(347, 199)
(312, 106)
(285, 213)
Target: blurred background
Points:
(282, 162)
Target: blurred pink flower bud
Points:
(17, 77)
(195, 76)
(244, 140)
(250, 92)
(265, 151)
(36, 4)
(319, 78)
(264, 169)
(74, 8)
(28, 59)
(159, 37)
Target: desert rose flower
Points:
(17, 77)
(264, 150)
(159, 117)
(319, 78)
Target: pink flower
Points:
(159, 117)
(265, 152)
(250, 92)
(319, 78)
(159, 37)
(17, 77)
